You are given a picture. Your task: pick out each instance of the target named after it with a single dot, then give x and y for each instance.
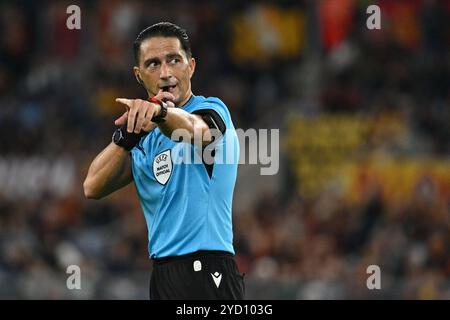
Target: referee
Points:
(187, 205)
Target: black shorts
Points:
(205, 275)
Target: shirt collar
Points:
(189, 102)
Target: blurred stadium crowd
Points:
(364, 131)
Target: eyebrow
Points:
(173, 55)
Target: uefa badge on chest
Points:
(162, 167)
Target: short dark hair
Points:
(162, 29)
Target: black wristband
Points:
(160, 117)
(125, 139)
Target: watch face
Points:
(118, 136)
(162, 114)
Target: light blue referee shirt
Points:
(185, 208)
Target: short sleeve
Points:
(217, 111)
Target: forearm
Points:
(110, 170)
(191, 125)
(185, 125)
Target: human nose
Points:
(165, 72)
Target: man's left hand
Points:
(140, 112)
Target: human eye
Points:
(175, 60)
(152, 64)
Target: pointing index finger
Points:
(124, 101)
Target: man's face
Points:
(163, 65)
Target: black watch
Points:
(160, 117)
(125, 139)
